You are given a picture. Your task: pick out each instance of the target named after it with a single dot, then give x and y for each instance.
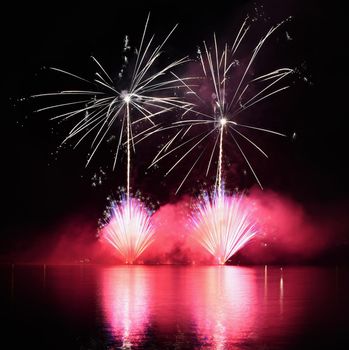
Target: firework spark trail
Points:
(129, 229)
(128, 151)
(223, 224)
(148, 95)
(228, 102)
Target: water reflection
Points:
(125, 303)
(265, 282)
(224, 307)
(281, 294)
(211, 305)
(175, 307)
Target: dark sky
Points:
(310, 169)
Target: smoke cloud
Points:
(287, 234)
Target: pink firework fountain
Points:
(129, 229)
(223, 224)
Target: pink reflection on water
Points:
(224, 308)
(125, 303)
(212, 307)
(214, 304)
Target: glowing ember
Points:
(223, 225)
(129, 229)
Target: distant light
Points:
(223, 121)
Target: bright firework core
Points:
(223, 121)
(127, 97)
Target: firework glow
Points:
(129, 229)
(223, 224)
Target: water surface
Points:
(174, 307)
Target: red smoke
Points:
(287, 234)
(173, 242)
(71, 241)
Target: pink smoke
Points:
(174, 243)
(287, 233)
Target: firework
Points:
(108, 104)
(99, 109)
(217, 117)
(223, 224)
(129, 229)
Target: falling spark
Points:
(129, 229)
(223, 224)
(229, 99)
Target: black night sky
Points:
(39, 192)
